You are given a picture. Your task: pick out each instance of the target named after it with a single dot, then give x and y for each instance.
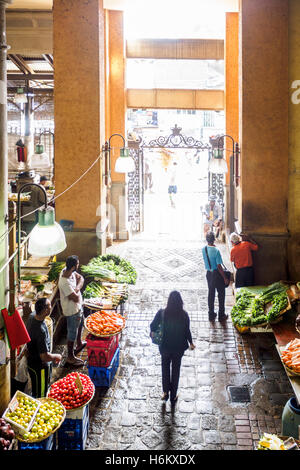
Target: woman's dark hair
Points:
(40, 305)
(174, 304)
(72, 261)
(210, 237)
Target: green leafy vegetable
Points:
(250, 308)
(120, 269)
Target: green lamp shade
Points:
(39, 148)
(47, 237)
(218, 153)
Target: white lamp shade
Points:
(124, 165)
(218, 166)
(20, 98)
(47, 240)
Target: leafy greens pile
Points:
(111, 267)
(250, 308)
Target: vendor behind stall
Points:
(44, 182)
(39, 356)
(70, 283)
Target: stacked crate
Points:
(72, 435)
(46, 444)
(103, 359)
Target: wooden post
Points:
(12, 277)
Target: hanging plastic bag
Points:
(15, 328)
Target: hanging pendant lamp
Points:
(218, 164)
(124, 163)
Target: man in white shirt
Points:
(70, 283)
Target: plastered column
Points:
(294, 140)
(116, 115)
(79, 98)
(264, 132)
(231, 92)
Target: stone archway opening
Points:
(171, 186)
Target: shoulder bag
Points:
(227, 273)
(157, 335)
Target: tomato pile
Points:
(67, 392)
(104, 323)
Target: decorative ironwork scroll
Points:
(176, 140)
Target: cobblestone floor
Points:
(130, 414)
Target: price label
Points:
(13, 405)
(78, 383)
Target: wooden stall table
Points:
(285, 332)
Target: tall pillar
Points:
(4, 369)
(79, 112)
(231, 94)
(264, 132)
(116, 118)
(294, 139)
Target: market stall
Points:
(274, 309)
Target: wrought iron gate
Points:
(176, 140)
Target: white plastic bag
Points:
(22, 373)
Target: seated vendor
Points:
(39, 356)
(213, 216)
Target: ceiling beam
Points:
(48, 58)
(20, 63)
(34, 76)
(36, 91)
(189, 49)
(175, 99)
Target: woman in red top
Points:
(241, 256)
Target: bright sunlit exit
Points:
(176, 19)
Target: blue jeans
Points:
(73, 323)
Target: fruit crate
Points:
(46, 444)
(13, 404)
(101, 350)
(72, 435)
(78, 413)
(103, 376)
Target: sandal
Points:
(75, 362)
(165, 396)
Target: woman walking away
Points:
(216, 279)
(175, 340)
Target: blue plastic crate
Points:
(73, 439)
(103, 376)
(46, 444)
(72, 434)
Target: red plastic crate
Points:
(101, 350)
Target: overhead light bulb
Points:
(47, 237)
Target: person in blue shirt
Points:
(216, 279)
